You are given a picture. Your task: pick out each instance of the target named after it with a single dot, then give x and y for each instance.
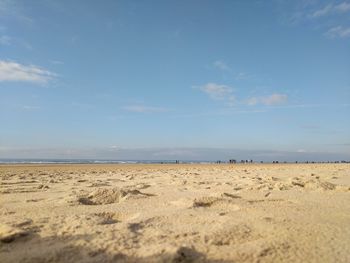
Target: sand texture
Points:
(175, 213)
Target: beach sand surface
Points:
(175, 213)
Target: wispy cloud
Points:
(29, 108)
(328, 17)
(338, 32)
(322, 12)
(221, 65)
(274, 99)
(343, 7)
(16, 72)
(218, 92)
(331, 9)
(243, 76)
(252, 101)
(82, 105)
(14, 10)
(305, 106)
(56, 62)
(5, 40)
(231, 112)
(144, 109)
(270, 100)
(226, 68)
(226, 93)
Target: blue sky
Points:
(175, 79)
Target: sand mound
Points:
(9, 233)
(317, 184)
(313, 184)
(103, 196)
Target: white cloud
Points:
(331, 9)
(217, 91)
(323, 16)
(5, 40)
(343, 7)
(221, 65)
(143, 109)
(56, 62)
(338, 31)
(14, 10)
(16, 72)
(226, 94)
(322, 12)
(252, 101)
(273, 99)
(243, 76)
(175, 153)
(115, 148)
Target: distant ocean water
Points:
(91, 161)
(105, 161)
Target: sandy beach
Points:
(175, 213)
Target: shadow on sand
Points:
(34, 248)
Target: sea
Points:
(96, 161)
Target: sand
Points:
(175, 213)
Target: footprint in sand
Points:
(82, 180)
(99, 184)
(186, 254)
(230, 235)
(107, 218)
(224, 200)
(266, 201)
(34, 200)
(112, 217)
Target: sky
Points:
(188, 80)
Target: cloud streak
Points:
(144, 109)
(16, 72)
(218, 92)
(338, 32)
(29, 108)
(270, 100)
(343, 7)
(219, 64)
(225, 93)
(322, 12)
(331, 9)
(324, 17)
(14, 10)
